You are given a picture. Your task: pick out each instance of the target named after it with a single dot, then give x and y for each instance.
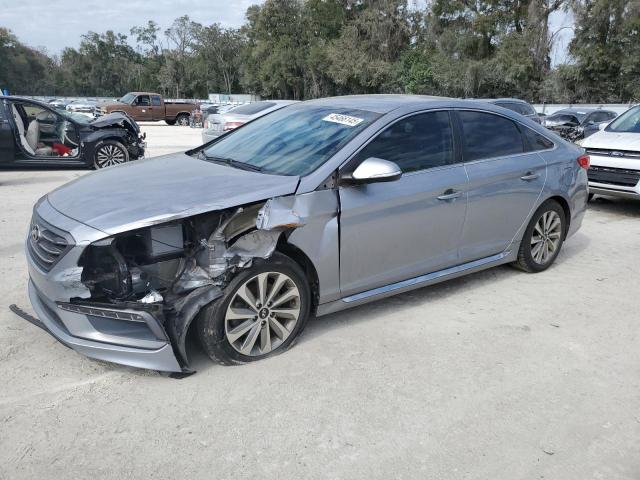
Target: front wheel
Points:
(543, 238)
(183, 120)
(109, 153)
(262, 312)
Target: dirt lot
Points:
(499, 375)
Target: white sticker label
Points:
(343, 119)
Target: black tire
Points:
(590, 197)
(526, 260)
(108, 153)
(210, 323)
(183, 119)
(170, 122)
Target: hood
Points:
(161, 189)
(613, 141)
(116, 120)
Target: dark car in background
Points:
(516, 105)
(33, 133)
(576, 123)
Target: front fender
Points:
(92, 139)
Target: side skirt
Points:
(417, 282)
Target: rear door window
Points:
(598, 117)
(486, 135)
(415, 143)
(155, 100)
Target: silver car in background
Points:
(221, 123)
(321, 206)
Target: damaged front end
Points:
(143, 288)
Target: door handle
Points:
(527, 177)
(450, 194)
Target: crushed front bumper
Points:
(55, 321)
(127, 334)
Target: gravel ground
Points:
(498, 375)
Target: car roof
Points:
(382, 103)
(496, 100)
(24, 99)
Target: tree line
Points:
(300, 49)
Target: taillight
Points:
(584, 161)
(232, 125)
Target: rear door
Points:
(398, 230)
(505, 181)
(6, 136)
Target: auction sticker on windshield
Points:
(343, 119)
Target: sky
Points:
(56, 24)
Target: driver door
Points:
(7, 151)
(398, 230)
(142, 108)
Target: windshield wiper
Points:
(233, 163)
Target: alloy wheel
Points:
(545, 238)
(262, 313)
(109, 155)
(183, 121)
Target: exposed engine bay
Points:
(172, 270)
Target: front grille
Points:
(606, 152)
(614, 176)
(46, 243)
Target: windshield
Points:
(77, 117)
(128, 98)
(292, 141)
(628, 122)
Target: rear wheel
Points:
(109, 153)
(543, 238)
(261, 313)
(183, 120)
(170, 122)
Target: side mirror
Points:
(373, 170)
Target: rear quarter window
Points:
(486, 135)
(535, 141)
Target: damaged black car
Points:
(34, 134)
(574, 124)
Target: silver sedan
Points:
(321, 206)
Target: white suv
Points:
(615, 157)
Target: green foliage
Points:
(313, 48)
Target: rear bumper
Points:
(209, 135)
